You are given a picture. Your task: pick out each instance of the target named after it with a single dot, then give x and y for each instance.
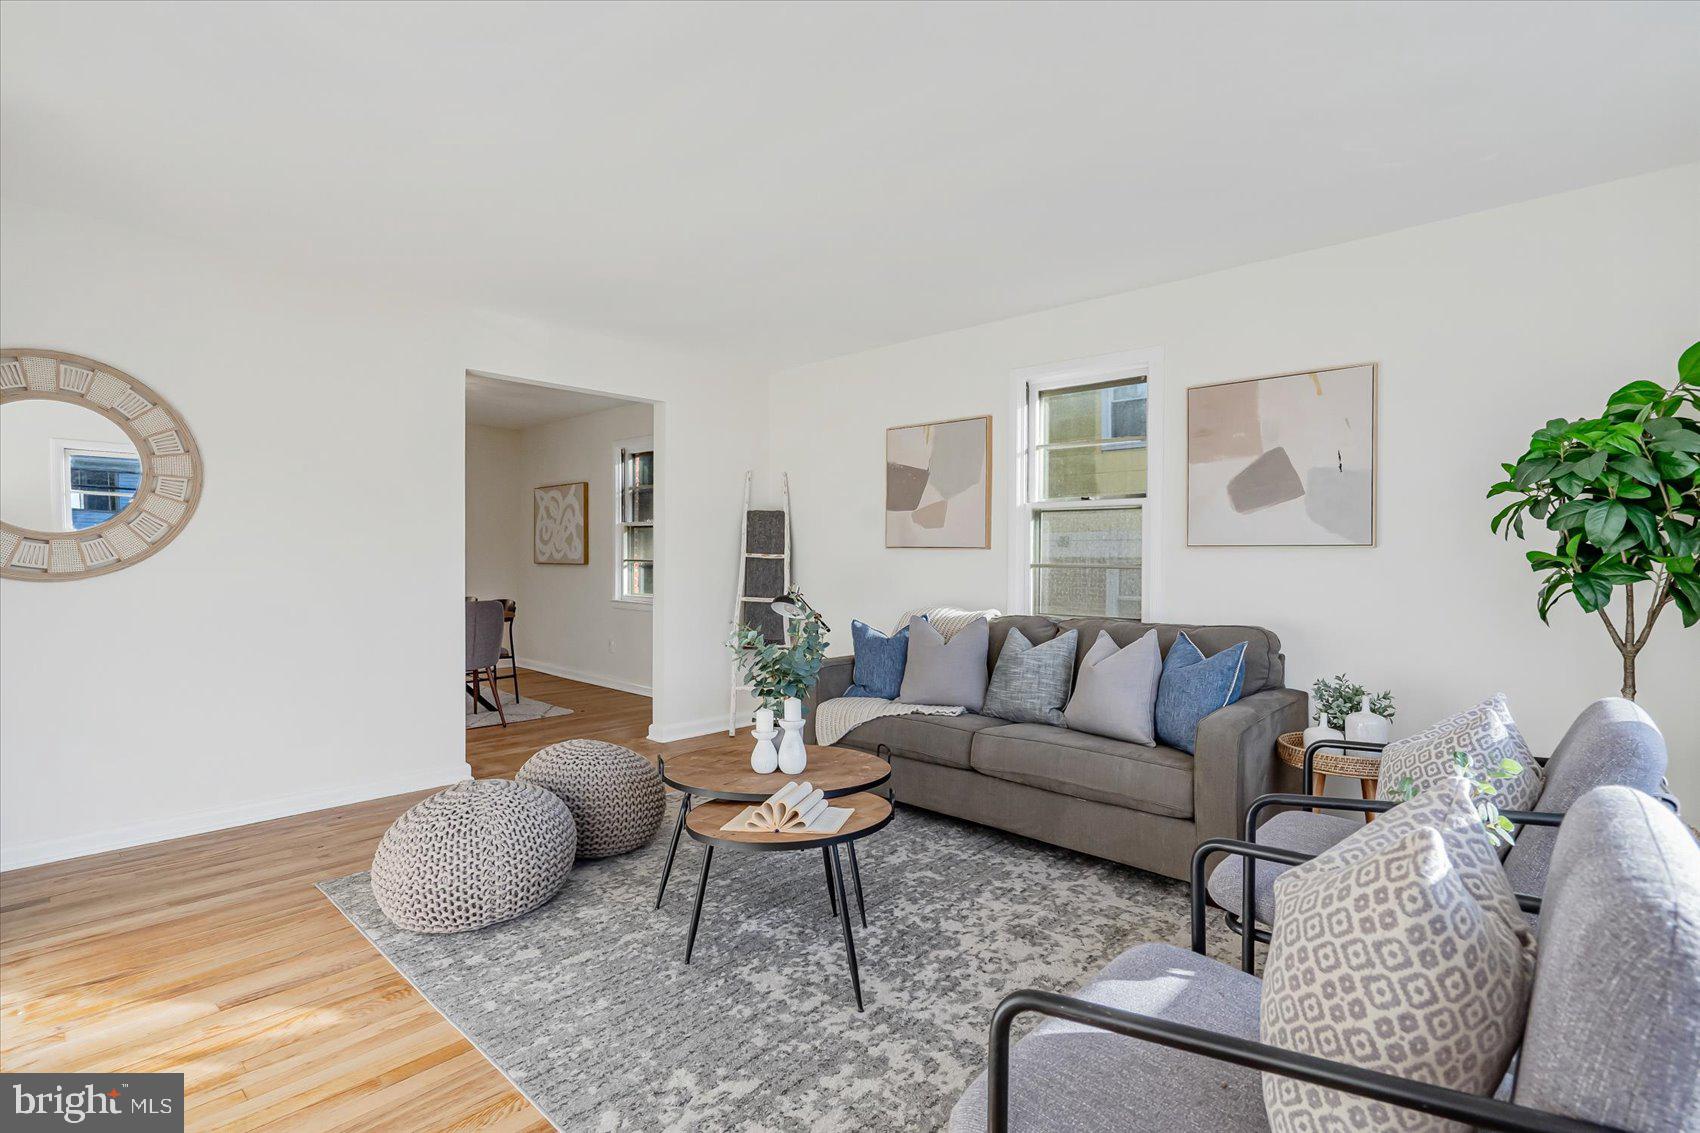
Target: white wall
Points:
(305, 552)
(1484, 326)
(30, 485)
(498, 528)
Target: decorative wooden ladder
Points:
(764, 574)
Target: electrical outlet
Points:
(610, 645)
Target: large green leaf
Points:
(1688, 366)
(1605, 522)
(1646, 526)
(1533, 471)
(1636, 467)
(1591, 592)
(1590, 467)
(1675, 465)
(1635, 393)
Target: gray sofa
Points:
(1142, 806)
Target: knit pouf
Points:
(481, 852)
(614, 793)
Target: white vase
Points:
(1322, 732)
(1366, 727)
(764, 760)
(793, 755)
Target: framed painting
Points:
(1283, 461)
(558, 513)
(938, 484)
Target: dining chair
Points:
(483, 650)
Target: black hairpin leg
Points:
(673, 847)
(856, 876)
(696, 913)
(826, 860)
(844, 919)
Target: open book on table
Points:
(796, 808)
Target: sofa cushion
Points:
(1067, 1077)
(943, 740)
(1298, 830)
(1614, 1023)
(946, 672)
(1116, 694)
(1612, 742)
(1157, 780)
(1193, 686)
(1030, 682)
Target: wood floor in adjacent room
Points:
(215, 956)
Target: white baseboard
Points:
(223, 818)
(687, 729)
(616, 683)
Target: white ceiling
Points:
(777, 182)
(504, 404)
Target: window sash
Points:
(636, 497)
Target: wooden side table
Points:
(1362, 766)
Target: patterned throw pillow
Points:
(1445, 807)
(1193, 686)
(1486, 735)
(1116, 695)
(1389, 964)
(879, 661)
(1030, 682)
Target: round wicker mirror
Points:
(110, 501)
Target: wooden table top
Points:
(706, 819)
(836, 771)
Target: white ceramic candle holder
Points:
(793, 755)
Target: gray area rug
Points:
(587, 1007)
(518, 711)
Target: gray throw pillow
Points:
(1117, 691)
(1390, 964)
(946, 672)
(1030, 682)
(1485, 733)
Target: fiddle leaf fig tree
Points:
(1620, 496)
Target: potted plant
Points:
(1335, 700)
(1620, 496)
(778, 672)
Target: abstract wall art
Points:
(938, 484)
(558, 515)
(1283, 461)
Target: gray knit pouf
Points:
(614, 793)
(481, 852)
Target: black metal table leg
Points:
(856, 876)
(696, 913)
(826, 860)
(673, 847)
(844, 919)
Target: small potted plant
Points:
(1344, 710)
(781, 675)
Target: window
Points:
(634, 521)
(1085, 478)
(98, 485)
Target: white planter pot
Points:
(1366, 727)
(1322, 732)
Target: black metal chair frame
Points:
(1475, 1111)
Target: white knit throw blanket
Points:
(834, 718)
(946, 619)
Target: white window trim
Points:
(1025, 386)
(60, 451)
(617, 542)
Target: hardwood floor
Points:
(215, 956)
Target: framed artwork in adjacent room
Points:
(558, 520)
(1283, 461)
(938, 484)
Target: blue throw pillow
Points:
(879, 661)
(1193, 686)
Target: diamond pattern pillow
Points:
(1390, 964)
(1029, 684)
(1485, 733)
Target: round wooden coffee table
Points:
(837, 771)
(872, 813)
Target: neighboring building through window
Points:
(98, 485)
(1086, 491)
(634, 521)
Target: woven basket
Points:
(1329, 761)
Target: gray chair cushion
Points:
(943, 740)
(1612, 742)
(946, 672)
(1116, 694)
(1067, 1077)
(1291, 830)
(1157, 780)
(1030, 682)
(1613, 1034)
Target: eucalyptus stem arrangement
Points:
(776, 671)
(1621, 497)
